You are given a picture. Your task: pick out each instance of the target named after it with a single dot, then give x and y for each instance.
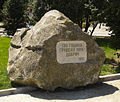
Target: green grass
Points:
(109, 52)
(4, 45)
(107, 68)
(106, 45)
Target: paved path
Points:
(104, 92)
(2, 30)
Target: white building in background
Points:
(100, 30)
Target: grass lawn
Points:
(4, 45)
(111, 59)
(103, 43)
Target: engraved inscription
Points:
(71, 52)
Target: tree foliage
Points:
(70, 8)
(79, 11)
(112, 19)
(1, 7)
(14, 15)
(40, 8)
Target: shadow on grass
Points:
(104, 41)
(110, 61)
(118, 68)
(114, 63)
(90, 91)
(108, 41)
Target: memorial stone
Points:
(54, 53)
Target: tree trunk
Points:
(93, 29)
(79, 22)
(87, 23)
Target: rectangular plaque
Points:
(71, 52)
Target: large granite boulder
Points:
(54, 53)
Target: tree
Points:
(29, 5)
(79, 11)
(70, 8)
(39, 10)
(112, 19)
(1, 7)
(14, 15)
(0, 15)
(93, 13)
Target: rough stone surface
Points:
(32, 55)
